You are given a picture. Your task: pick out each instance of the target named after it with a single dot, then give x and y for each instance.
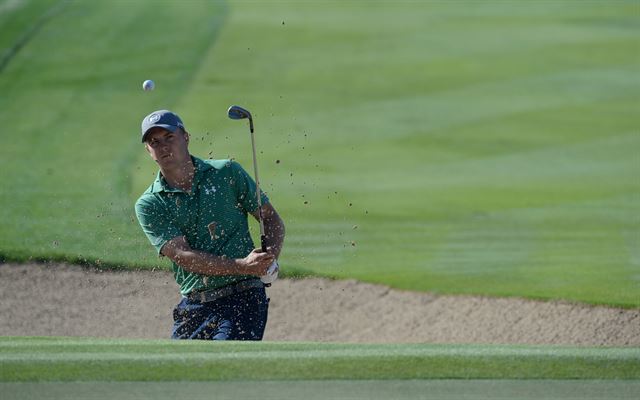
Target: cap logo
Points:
(154, 118)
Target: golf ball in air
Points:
(148, 85)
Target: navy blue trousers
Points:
(240, 316)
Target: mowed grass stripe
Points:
(355, 352)
(334, 389)
(93, 359)
(79, 345)
(498, 99)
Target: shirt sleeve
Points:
(155, 222)
(245, 188)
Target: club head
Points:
(237, 112)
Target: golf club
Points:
(237, 112)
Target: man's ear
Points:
(186, 136)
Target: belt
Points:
(215, 294)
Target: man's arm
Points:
(273, 228)
(201, 262)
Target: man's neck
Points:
(180, 177)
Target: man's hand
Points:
(273, 228)
(258, 262)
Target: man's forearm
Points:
(205, 263)
(274, 233)
(200, 262)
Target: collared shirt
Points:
(212, 217)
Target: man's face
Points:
(168, 148)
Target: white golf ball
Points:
(148, 85)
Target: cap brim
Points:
(170, 128)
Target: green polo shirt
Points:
(212, 217)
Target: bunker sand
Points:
(65, 300)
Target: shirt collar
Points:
(160, 184)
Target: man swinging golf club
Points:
(195, 213)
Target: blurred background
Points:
(460, 147)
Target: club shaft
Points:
(263, 243)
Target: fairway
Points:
(407, 143)
(66, 368)
(486, 189)
(56, 368)
(66, 359)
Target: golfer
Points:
(195, 213)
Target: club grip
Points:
(263, 242)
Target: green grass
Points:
(66, 359)
(80, 368)
(21, 20)
(321, 390)
(455, 147)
